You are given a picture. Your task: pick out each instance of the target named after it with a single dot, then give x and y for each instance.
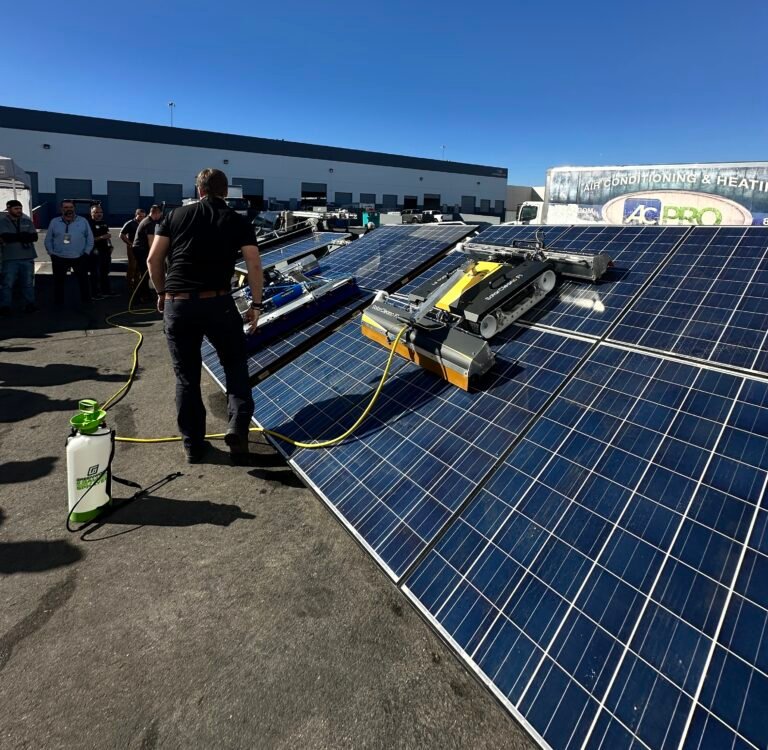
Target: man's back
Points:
(144, 231)
(129, 229)
(205, 240)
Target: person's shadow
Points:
(35, 556)
(155, 510)
(17, 404)
(15, 374)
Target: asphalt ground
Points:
(226, 609)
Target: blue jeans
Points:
(21, 272)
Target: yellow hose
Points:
(219, 435)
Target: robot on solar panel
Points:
(450, 319)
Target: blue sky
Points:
(523, 85)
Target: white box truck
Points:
(723, 193)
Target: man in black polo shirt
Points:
(127, 235)
(201, 243)
(101, 257)
(142, 241)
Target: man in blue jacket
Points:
(17, 250)
(69, 242)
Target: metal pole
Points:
(171, 106)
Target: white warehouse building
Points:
(126, 165)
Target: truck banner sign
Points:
(696, 194)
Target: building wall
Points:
(103, 159)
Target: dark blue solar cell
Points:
(707, 731)
(709, 302)
(637, 567)
(649, 705)
(744, 631)
(737, 694)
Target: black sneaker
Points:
(196, 453)
(31, 308)
(111, 294)
(238, 446)
(96, 295)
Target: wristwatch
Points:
(257, 306)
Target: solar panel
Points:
(710, 302)
(387, 255)
(608, 581)
(425, 446)
(379, 260)
(590, 309)
(504, 235)
(295, 249)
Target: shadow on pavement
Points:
(153, 510)
(36, 556)
(15, 472)
(16, 405)
(14, 374)
(53, 599)
(283, 475)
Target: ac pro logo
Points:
(674, 207)
(638, 211)
(653, 211)
(93, 470)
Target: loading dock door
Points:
(410, 201)
(167, 192)
(67, 188)
(468, 204)
(122, 198)
(432, 200)
(313, 194)
(343, 199)
(389, 201)
(253, 191)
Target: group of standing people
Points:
(76, 244)
(190, 256)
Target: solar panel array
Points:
(295, 249)
(587, 529)
(591, 309)
(426, 445)
(504, 236)
(591, 577)
(709, 302)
